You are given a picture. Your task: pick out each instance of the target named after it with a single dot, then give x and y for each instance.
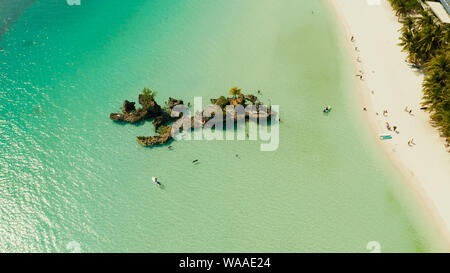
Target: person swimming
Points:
(156, 181)
(327, 109)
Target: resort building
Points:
(441, 10)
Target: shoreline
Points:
(425, 166)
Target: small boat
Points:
(385, 136)
(154, 179)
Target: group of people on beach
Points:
(411, 141)
(388, 126)
(358, 59)
(385, 112)
(394, 128)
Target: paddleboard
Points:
(385, 136)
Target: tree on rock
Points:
(235, 91)
(148, 93)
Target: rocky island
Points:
(162, 116)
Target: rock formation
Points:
(150, 109)
(162, 116)
(163, 137)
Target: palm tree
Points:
(235, 91)
(438, 72)
(444, 39)
(425, 19)
(404, 7)
(436, 89)
(429, 41)
(409, 24)
(147, 92)
(409, 44)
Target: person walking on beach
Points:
(409, 111)
(385, 113)
(388, 126)
(352, 39)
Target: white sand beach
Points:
(395, 85)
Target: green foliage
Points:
(148, 93)
(222, 102)
(422, 37)
(428, 42)
(162, 129)
(410, 43)
(235, 91)
(436, 88)
(405, 7)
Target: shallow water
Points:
(69, 174)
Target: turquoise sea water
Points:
(69, 174)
